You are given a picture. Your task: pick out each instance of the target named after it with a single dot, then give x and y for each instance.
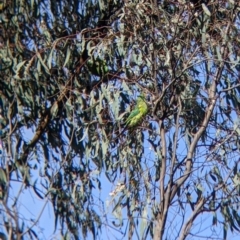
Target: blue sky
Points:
(31, 206)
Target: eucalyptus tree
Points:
(71, 73)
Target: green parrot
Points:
(136, 116)
(138, 113)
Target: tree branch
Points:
(212, 102)
(188, 225)
(44, 123)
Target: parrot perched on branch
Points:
(138, 113)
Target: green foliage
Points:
(68, 73)
(98, 67)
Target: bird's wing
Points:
(133, 114)
(135, 120)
